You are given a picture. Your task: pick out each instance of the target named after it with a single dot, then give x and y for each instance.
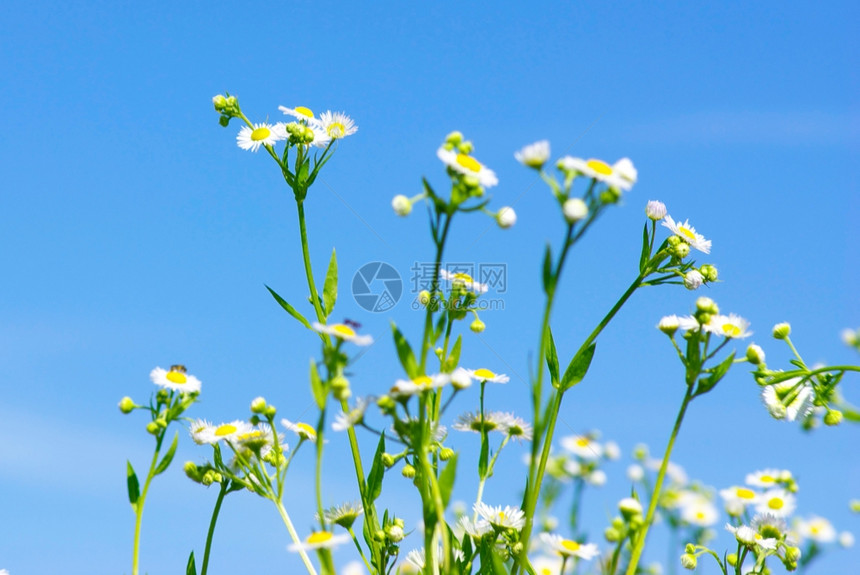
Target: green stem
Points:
(295, 537)
(319, 446)
(135, 554)
(428, 319)
(315, 299)
(658, 486)
(360, 550)
(221, 493)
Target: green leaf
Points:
(191, 568)
(133, 485)
(168, 457)
(453, 357)
(552, 358)
(646, 250)
(330, 285)
(578, 367)
(850, 414)
(483, 460)
(404, 352)
(290, 309)
(706, 384)
(317, 387)
(377, 470)
(547, 269)
(446, 480)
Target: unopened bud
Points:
(387, 460)
(424, 297)
(506, 217)
(833, 417)
(689, 561)
(190, 469)
(681, 250)
(127, 405)
(395, 533)
(629, 508)
(707, 305)
(386, 403)
(732, 559)
(709, 272)
(446, 453)
(408, 471)
(454, 138)
(669, 325)
(792, 554)
(466, 147)
(477, 326)
(755, 354)
(655, 210)
(611, 535)
(402, 205)
(693, 280)
(152, 428)
(220, 102)
(270, 411)
(574, 210)
(781, 330)
(258, 405)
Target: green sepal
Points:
(577, 369)
(547, 269)
(453, 357)
(330, 285)
(646, 250)
(446, 480)
(706, 384)
(317, 386)
(168, 457)
(289, 309)
(377, 470)
(191, 568)
(552, 358)
(133, 485)
(404, 352)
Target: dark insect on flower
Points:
(352, 324)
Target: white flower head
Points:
(344, 421)
(516, 427)
(739, 496)
(568, 547)
(655, 210)
(583, 446)
(175, 379)
(463, 280)
(410, 387)
(574, 210)
(202, 432)
(846, 539)
(624, 168)
(475, 529)
(688, 233)
(729, 326)
(611, 451)
(300, 113)
(765, 478)
(546, 565)
(534, 155)
(484, 374)
(401, 205)
(468, 166)
(596, 478)
(617, 176)
(769, 525)
(303, 430)
(343, 332)
(337, 125)
(777, 502)
(693, 280)
(344, 514)
(789, 400)
(503, 518)
(751, 538)
(320, 540)
(697, 509)
(353, 568)
(474, 422)
(417, 557)
(816, 529)
(461, 378)
(261, 134)
(635, 472)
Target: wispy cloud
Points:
(751, 127)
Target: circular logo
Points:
(377, 287)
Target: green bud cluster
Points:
(228, 107)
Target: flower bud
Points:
(446, 453)
(127, 405)
(387, 460)
(162, 396)
(629, 508)
(466, 147)
(506, 217)
(640, 452)
(190, 469)
(477, 326)
(220, 103)
(846, 539)
(517, 548)
(395, 533)
(402, 205)
(732, 559)
(655, 210)
(781, 330)
(386, 403)
(408, 471)
(610, 196)
(833, 417)
(689, 561)
(792, 554)
(574, 210)
(152, 428)
(424, 297)
(854, 505)
(611, 535)
(755, 354)
(681, 250)
(454, 138)
(707, 305)
(270, 411)
(379, 535)
(258, 405)
(709, 272)
(693, 280)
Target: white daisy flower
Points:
(260, 438)
(475, 529)
(846, 539)
(416, 558)
(468, 166)
(751, 538)
(175, 379)
(766, 478)
(569, 548)
(778, 502)
(343, 515)
(688, 233)
(492, 421)
(601, 171)
(582, 446)
(816, 529)
(200, 431)
(729, 326)
(697, 509)
(353, 568)
(516, 427)
(534, 155)
(596, 478)
(321, 137)
(769, 525)
(788, 400)
(738, 495)
(300, 113)
(320, 540)
(635, 472)
(484, 374)
(303, 430)
(337, 125)
(410, 387)
(212, 434)
(344, 421)
(624, 168)
(461, 378)
(343, 332)
(464, 280)
(611, 451)
(544, 565)
(502, 518)
(261, 134)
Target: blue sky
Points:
(137, 234)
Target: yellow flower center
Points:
(582, 442)
(484, 373)
(261, 133)
(336, 130)
(776, 503)
(600, 167)
(814, 529)
(341, 330)
(570, 545)
(423, 381)
(176, 377)
(468, 162)
(757, 537)
(700, 515)
(226, 429)
(304, 111)
(306, 429)
(730, 330)
(320, 537)
(686, 234)
(745, 493)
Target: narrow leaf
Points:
(552, 358)
(404, 352)
(483, 460)
(191, 568)
(317, 387)
(133, 485)
(377, 470)
(446, 480)
(646, 250)
(578, 367)
(290, 309)
(453, 357)
(168, 457)
(330, 285)
(706, 384)
(547, 269)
